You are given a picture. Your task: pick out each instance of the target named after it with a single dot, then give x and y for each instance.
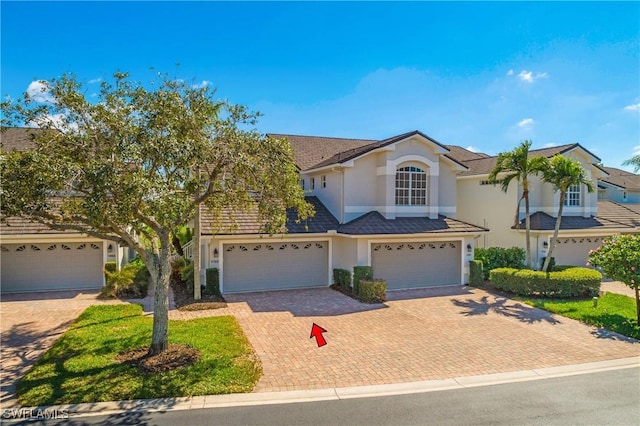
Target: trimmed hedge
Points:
(499, 257)
(570, 282)
(476, 276)
(342, 278)
(110, 266)
(361, 273)
(373, 291)
(213, 282)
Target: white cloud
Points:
(57, 121)
(95, 80)
(530, 77)
(510, 72)
(549, 145)
(636, 150)
(204, 83)
(526, 123)
(38, 91)
(633, 107)
(472, 148)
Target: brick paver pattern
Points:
(417, 335)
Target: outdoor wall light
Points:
(110, 248)
(469, 248)
(215, 253)
(545, 244)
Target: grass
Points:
(81, 365)
(615, 312)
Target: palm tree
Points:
(633, 161)
(563, 172)
(517, 165)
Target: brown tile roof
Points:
(20, 226)
(610, 216)
(345, 156)
(626, 214)
(374, 223)
(18, 138)
(483, 166)
(622, 178)
(311, 150)
(461, 154)
(249, 222)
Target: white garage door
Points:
(415, 265)
(275, 266)
(51, 266)
(575, 250)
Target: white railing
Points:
(188, 250)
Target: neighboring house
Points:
(585, 222)
(390, 204)
(36, 258)
(620, 186)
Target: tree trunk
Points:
(160, 275)
(196, 256)
(527, 223)
(555, 233)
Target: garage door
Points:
(415, 265)
(51, 266)
(275, 266)
(575, 250)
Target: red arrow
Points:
(316, 331)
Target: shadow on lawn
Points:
(505, 307)
(21, 348)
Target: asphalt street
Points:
(603, 398)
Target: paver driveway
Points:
(417, 335)
(30, 323)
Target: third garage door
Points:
(415, 265)
(275, 266)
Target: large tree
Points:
(122, 167)
(562, 173)
(517, 165)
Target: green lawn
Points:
(615, 312)
(81, 365)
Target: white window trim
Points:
(312, 183)
(412, 171)
(323, 181)
(574, 190)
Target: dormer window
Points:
(411, 186)
(572, 198)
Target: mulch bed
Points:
(185, 302)
(177, 356)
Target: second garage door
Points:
(575, 250)
(415, 265)
(275, 266)
(51, 266)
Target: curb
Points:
(287, 397)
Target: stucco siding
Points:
(345, 253)
(447, 193)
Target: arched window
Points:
(411, 186)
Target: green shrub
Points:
(372, 291)
(570, 282)
(213, 282)
(186, 274)
(498, 257)
(361, 273)
(476, 276)
(132, 281)
(342, 278)
(552, 263)
(110, 266)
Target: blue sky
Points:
(480, 75)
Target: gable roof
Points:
(483, 166)
(374, 223)
(18, 138)
(622, 178)
(311, 150)
(235, 222)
